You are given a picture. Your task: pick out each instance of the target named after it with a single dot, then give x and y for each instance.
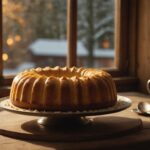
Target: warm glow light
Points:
(49, 6)
(106, 44)
(5, 2)
(17, 38)
(5, 56)
(10, 41)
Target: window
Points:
(95, 33)
(125, 41)
(29, 38)
(33, 31)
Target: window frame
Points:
(1, 41)
(124, 73)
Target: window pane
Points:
(96, 33)
(34, 34)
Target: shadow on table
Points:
(98, 134)
(1, 109)
(105, 132)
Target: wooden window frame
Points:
(124, 73)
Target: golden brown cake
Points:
(63, 89)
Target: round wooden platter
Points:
(100, 127)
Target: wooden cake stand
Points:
(67, 126)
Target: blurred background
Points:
(34, 34)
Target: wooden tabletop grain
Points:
(138, 140)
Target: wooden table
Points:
(135, 140)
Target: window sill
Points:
(4, 91)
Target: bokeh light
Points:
(5, 56)
(10, 41)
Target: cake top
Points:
(63, 72)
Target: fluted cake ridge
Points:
(63, 88)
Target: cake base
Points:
(122, 103)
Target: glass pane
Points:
(34, 34)
(95, 33)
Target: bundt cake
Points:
(63, 89)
